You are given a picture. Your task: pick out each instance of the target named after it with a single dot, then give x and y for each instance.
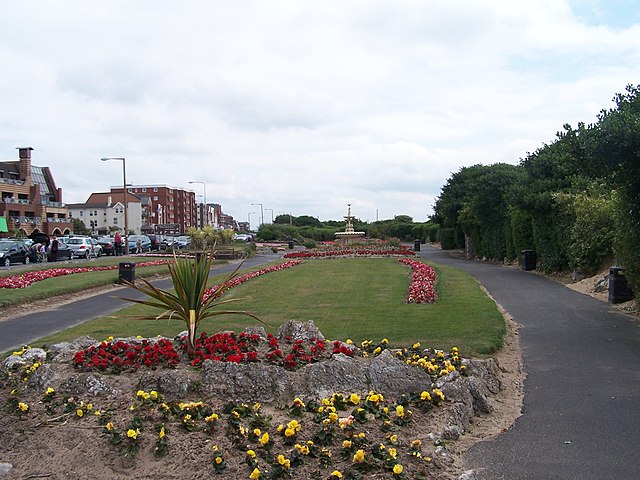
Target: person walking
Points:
(53, 248)
(117, 243)
(139, 246)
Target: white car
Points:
(84, 247)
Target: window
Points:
(91, 214)
(81, 212)
(115, 220)
(155, 189)
(155, 198)
(144, 190)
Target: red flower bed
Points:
(422, 288)
(24, 280)
(351, 252)
(248, 276)
(118, 356)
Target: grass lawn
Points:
(358, 298)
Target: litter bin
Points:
(290, 245)
(528, 260)
(127, 272)
(619, 290)
(416, 245)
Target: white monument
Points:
(349, 235)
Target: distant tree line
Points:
(575, 201)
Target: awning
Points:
(3, 224)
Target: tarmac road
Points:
(23, 330)
(581, 414)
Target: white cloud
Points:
(303, 106)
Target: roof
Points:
(102, 199)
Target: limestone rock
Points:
(92, 384)
(63, 351)
(487, 371)
(299, 331)
(251, 382)
(341, 374)
(5, 468)
(390, 376)
(260, 331)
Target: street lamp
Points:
(206, 209)
(249, 219)
(261, 212)
(124, 193)
(271, 213)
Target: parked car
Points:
(133, 240)
(156, 243)
(108, 247)
(13, 251)
(84, 247)
(64, 252)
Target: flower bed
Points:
(422, 288)
(27, 279)
(352, 252)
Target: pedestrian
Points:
(117, 243)
(54, 248)
(139, 246)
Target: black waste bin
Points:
(619, 290)
(528, 260)
(290, 245)
(127, 272)
(416, 245)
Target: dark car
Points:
(156, 244)
(107, 244)
(13, 251)
(64, 252)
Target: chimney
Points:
(25, 164)
(109, 201)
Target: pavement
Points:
(23, 330)
(581, 413)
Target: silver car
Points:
(84, 247)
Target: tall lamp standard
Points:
(206, 209)
(124, 196)
(271, 213)
(261, 212)
(249, 219)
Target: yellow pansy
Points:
(359, 456)
(397, 469)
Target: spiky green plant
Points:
(186, 302)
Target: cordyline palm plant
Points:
(187, 302)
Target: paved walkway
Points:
(23, 330)
(581, 415)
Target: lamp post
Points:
(261, 213)
(124, 196)
(271, 213)
(249, 219)
(206, 209)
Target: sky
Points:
(303, 107)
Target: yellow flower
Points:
(347, 444)
(109, 338)
(336, 474)
(211, 418)
(281, 459)
(138, 336)
(397, 469)
(359, 456)
(333, 417)
(377, 351)
(264, 439)
(393, 438)
(400, 411)
(140, 393)
(256, 406)
(393, 453)
(89, 406)
(298, 403)
(79, 412)
(218, 460)
(425, 396)
(289, 432)
(161, 434)
(97, 413)
(416, 443)
(257, 432)
(294, 425)
(349, 341)
(255, 474)
(186, 418)
(23, 406)
(132, 408)
(354, 398)
(50, 391)
(109, 426)
(251, 453)
(416, 345)
(153, 395)
(131, 433)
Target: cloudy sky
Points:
(303, 106)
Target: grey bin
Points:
(416, 245)
(619, 290)
(529, 260)
(127, 272)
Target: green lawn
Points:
(347, 298)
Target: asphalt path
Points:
(25, 329)
(581, 413)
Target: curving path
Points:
(581, 414)
(18, 331)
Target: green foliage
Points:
(79, 228)
(310, 244)
(446, 236)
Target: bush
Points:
(447, 238)
(310, 244)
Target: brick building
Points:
(103, 212)
(31, 202)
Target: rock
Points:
(13, 362)
(461, 412)
(88, 383)
(479, 392)
(33, 355)
(602, 285)
(174, 382)
(468, 475)
(5, 468)
(251, 382)
(48, 375)
(260, 331)
(63, 351)
(487, 371)
(299, 331)
(392, 377)
(341, 374)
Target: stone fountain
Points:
(349, 235)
